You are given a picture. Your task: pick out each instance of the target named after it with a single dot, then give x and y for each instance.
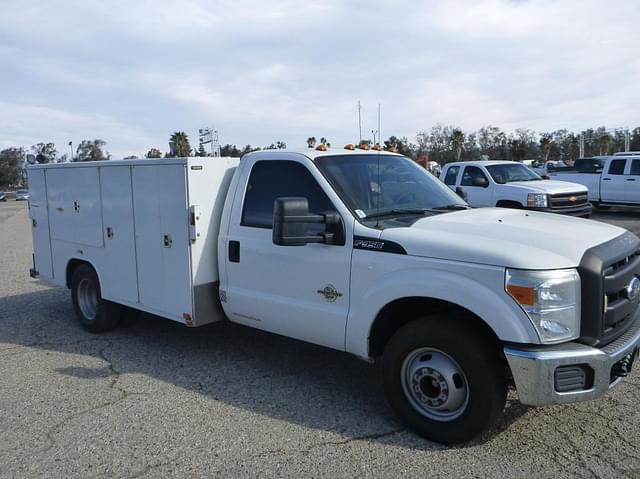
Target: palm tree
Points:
(604, 142)
(457, 140)
(179, 145)
(311, 141)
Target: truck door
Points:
(613, 183)
(632, 187)
(297, 291)
(450, 177)
(476, 195)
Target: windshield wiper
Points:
(398, 212)
(450, 207)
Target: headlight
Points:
(537, 200)
(550, 298)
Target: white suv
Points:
(509, 184)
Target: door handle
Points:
(631, 179)
(234, 251)
(606, 179)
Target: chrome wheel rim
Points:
(435, 384)
(88, 298)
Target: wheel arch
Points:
(72, 266)
(402, 311)
(509, 204)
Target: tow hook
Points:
(622, 368)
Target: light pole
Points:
(71, 147)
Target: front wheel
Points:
(444, 379)
(95, 314)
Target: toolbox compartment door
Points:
(119, 239)
(38, 212)
(162, 239)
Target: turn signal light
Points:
(523, 295)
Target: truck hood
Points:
(503, 237)
(550, 187)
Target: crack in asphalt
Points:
(113, 385)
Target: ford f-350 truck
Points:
(359, 251)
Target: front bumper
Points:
(581, 210)
(534, 368)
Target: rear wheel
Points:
(95, 314)
(443, 378)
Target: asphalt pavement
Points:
(161, 400)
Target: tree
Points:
(311, 141)
(401, 145)
(249, 149)
(457, 141)
(635, 139)
(201, 151)
(89, 150)
(11, 162)
(230, 150)
(604, 143)
(546, 143)
(154, 153)
(179, 145)
(45, 152)
(281, 145)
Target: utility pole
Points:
(71, 147)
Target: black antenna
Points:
(379, 185)
(359, 123)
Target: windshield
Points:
(508, 173)
(375, 185)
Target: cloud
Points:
(132, 72)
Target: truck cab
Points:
(508, 184)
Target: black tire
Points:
(483, 377)
(85, 284)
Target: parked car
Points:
(611, 181)
(509, 184)
(22, 195)
(3, 196)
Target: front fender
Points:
(476, 288)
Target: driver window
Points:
(276, 179)
(470, 174)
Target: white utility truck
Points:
(611, 180)
(508, 184)
(360, 251)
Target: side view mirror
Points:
(291, 220)
(482, 182)
(461, 193)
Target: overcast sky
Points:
(132, 72)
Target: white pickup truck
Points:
(611, 181)
(508, 184)
(359, 251)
